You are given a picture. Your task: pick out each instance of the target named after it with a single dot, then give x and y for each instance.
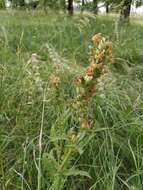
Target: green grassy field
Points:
(36, 120)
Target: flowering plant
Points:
(86, 85)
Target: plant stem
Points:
(40, 144)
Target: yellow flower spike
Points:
(92, 89)
(88, 78)
(97, 38)
(55, 81)
(99, 66)
(101, 57)
(90, 71)
(109, 50)
(78, 80)
(109, 45)
(85, 124)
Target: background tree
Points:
(107, 3)
(139, 3)
(125, 10)
(70, 7)
(17, 3)
(82, 5)
(122, 6)
(2, 4)
(95, 6)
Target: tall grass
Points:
(35, 118)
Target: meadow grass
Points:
(35, 118)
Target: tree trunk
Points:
(107, 7)
(70, 7)
(82, 5)
(95, 6)
(125, 11)
(83, 2)
(22, 3)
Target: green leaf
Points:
(76, 172)
(50, 165)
